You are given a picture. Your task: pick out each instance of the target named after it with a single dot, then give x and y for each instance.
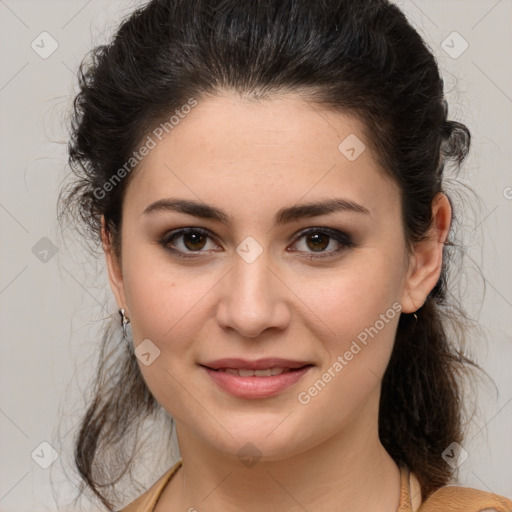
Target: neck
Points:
(349, 471)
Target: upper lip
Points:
(259, 364)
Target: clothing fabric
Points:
(449, 498)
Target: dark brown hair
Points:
(357, 56)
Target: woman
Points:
(266, 180)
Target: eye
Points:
(191, 240)
(319, 239)
(325, 242)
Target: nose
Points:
(253, 299)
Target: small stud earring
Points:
(124, 322)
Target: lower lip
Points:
(256, 387)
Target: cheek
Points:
(162, 297)
(166, 307)
(356, 315)
(357, 344)
(354, 296)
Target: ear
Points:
(427, 259)
(113, 266)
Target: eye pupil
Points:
(320, 241)
(196, 239)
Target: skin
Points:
(251, 158)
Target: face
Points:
(258, 275)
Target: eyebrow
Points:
(283, 216)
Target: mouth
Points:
(256, 379)
(248, 372)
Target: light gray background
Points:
(51, 310)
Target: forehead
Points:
(253, 155)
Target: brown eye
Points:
(187, 242)
(323, 241)
(318, 241)
(194, 241)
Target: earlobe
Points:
(113, 267)
(427, 259)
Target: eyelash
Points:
(343, 239)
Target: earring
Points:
(415, 317)
(124, 322)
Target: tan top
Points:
(446, 499)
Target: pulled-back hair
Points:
(360, 57)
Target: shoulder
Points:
(464, 499)
(146, 502)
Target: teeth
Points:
(263, 373)
(242, 372)
(246, 373)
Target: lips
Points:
(269, 363)
(258, 379)
(243, 372)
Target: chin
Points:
(254, 439)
